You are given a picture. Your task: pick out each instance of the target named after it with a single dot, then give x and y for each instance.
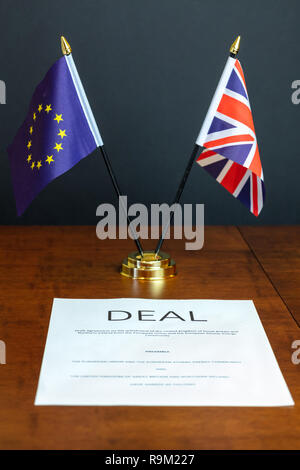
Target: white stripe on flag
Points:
(242, 82)
(251, 154)
(83, 100)
(239, 125)
(224, 171)
(260, 201)
(241, 184)
(210, 160)
(251, 192)
(232, 144)
(237, 97)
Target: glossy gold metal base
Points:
(150, 266)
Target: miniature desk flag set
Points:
(226, 359)
(60, 130)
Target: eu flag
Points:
(58, 132)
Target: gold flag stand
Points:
(150, 266)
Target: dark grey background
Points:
(150, 68)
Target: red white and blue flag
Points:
(231, 153)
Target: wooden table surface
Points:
(278, 251)
(39, 263)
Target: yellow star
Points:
(32, 165)
(38, 165)
(34, 116)
(58, 147)
(62, 134)
(30, 130)
(48, 108)
(49, 159)
(29, 144)
(58, 118)
(29, 158)
(40, 108)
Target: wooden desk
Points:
(39, 263)
(278, 251)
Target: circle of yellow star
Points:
(58, 118)
(58, 147)
(49, 159)
(62, 134)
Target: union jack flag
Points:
(231, 153)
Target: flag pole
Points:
(66, 50)
(234, 49)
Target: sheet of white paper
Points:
(159, 352)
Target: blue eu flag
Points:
(58, 132)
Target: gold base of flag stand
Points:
(150, 266)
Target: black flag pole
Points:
(66, 50)
(178, 195)
(118, 192)
(233, 52)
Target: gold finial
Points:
(235, 46)
(65, 46)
